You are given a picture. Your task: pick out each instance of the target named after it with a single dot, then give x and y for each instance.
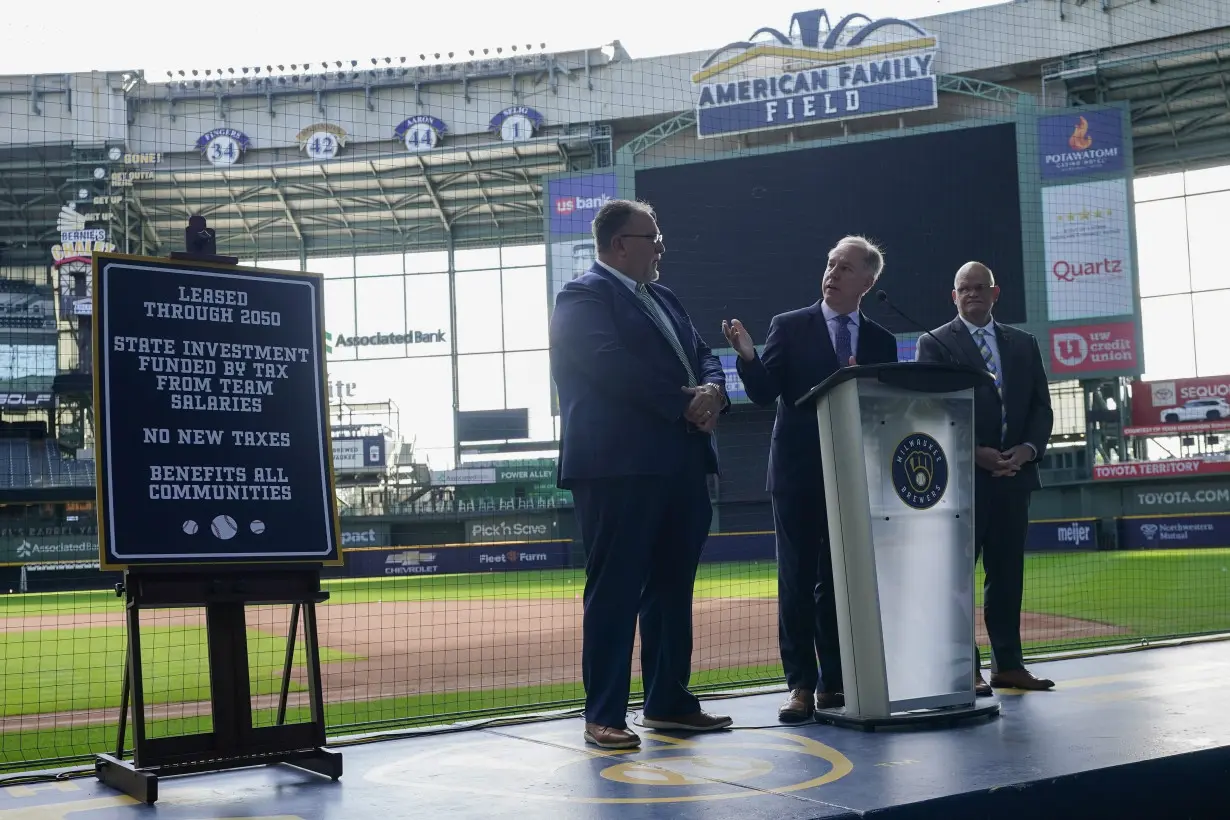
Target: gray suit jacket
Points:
(1026, 392)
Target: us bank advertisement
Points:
(817, 70)
(212, 417)
(572, 203)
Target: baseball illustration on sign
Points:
(210, 404)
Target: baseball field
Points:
(436, 649)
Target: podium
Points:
(898, 460)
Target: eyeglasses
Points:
(965, 290)
(656, 237)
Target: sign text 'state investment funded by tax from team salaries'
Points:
(211, 412)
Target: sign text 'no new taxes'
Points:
(211, 413)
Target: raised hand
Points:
(738, 337)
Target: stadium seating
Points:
(39, 464)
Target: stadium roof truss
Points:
(474, 190)
(1179, 99)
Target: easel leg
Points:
(288, 663)
(113, 770)
(321, 761)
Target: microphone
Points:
(883, 297)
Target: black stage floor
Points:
(1133, 735)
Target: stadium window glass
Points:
(527, 383)
(523, 256)
(525, 308)
(420, 397)
(340, 314)
(389, 264)
(380, 317)
(427, 262)
(1208, 240)
(279, 264)
(331, 267)
(1209, 312)
(427, 311)
(1161, 249)
(480, 382)
(1169, 341)
(476, 258)
(479, 322)
(1162, 186)
(1207, 180)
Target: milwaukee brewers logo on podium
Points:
(920, 471)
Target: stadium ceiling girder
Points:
(1179, 101)
(278, 201)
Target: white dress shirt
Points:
(830, 321)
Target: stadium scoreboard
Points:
(211, 415)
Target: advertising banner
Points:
(1080, 143)
(1108, 349)
(31, 548)
(734, 383)
(365, 535)
(454, 560)
(1161, 469)
(1174, 532)
(1072, 534)
(817, 70)
(510, 528)
(1088, 250)
(359, 455)
(1181, 405)
(1211, 495)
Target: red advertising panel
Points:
(1100, 348)
(1161, 469)
(1199, 405)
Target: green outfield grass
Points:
(1154, 594)
(60, 670)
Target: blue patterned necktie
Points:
(651, 308)
(989, 358)
(843, 341)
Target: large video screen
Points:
(748, 237)
(27, 342)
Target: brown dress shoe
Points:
(609, 737)
(1020, 679)
(830, 700)
(696, 722)
(982, 689)
(798, 707)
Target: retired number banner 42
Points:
(212, 426)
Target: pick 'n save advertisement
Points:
(1196, 405)
(1088, 250)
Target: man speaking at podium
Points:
(640, 394)
(803, 348)
(1012, 424)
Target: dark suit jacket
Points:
(1026, 393)
(798, 355)
(620, 383)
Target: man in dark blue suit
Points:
(640, 394)
(804, 347)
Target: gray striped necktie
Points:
(642, 293)
(985, 349)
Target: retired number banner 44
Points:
(210, 412)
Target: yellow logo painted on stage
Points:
(682, 769)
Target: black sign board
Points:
(212, 433)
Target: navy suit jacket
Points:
(620, 383)
(798, 355)
(1027, 395)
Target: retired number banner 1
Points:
(211, 421)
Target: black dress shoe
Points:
(982, 689)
